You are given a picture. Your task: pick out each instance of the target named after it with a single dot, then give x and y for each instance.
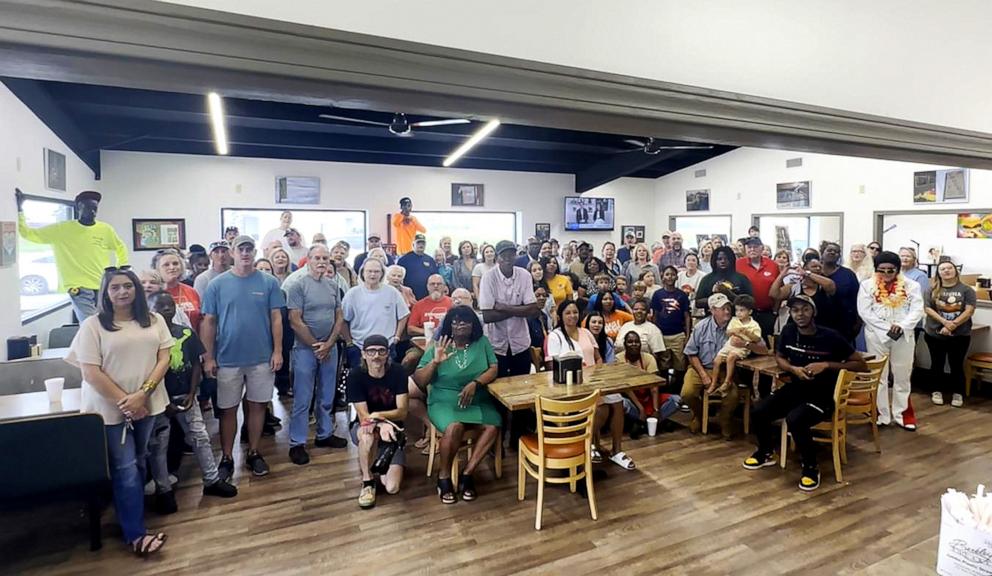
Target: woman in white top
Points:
(123, 353)
(395, 275)
(488, 263)
(860, 263)
(705, 253)
(689, 277)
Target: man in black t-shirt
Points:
(813, 356)
(378, 389)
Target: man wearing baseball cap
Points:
(406, 226)
(220, 262)
(419, 267)
(241, 332)
(761, 271)
(81, 248)
(374, 241)
(625, 253)
(813, 355)
(706, 340)
(506, 298)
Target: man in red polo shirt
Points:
(762, 272)
(430, 308)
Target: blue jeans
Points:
(127, 473)
(84, 303)
(306, 369)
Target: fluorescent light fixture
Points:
(216, 107)
(471, 142)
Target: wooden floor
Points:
(689, 509)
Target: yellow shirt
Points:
(405, 231)
(561, 288)
(81, 252)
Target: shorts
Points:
(255, 383)
(399, 458)
(612, 398)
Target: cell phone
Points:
(897, 336)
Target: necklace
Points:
(461, 357)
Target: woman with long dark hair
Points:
(461, 268)
(595, 322)
(123, 353)
(559, 285)
(458, 367)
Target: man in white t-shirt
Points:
(652, 340)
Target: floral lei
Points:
(893, 298)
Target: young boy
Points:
(181, 381)
(621, 283)
(640, 289)
(742, 331)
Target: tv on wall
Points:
(588, 213)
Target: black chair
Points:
(62, 336)
(56, 458)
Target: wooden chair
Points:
(742, 390)
(862, 404)
(468, 438)
(562, 442)
(975, 364)
(836, 427)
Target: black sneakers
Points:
(298, 455)
(225, 468)
(255, 463)
(165, 503)
(758, 460)
(810, 480)
(221, 488)
(331, 441)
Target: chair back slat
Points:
(842, 391)
(868, 381)
(565, 421)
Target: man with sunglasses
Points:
(891, 306)
(82, 249)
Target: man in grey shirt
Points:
(506, 298)
(220, 262)
(315, 314)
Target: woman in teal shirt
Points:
(458, 367)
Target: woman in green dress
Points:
(458, 367)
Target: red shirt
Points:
(427, 309)
(188, 300)
(761, 279)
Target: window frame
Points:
(807, 215)
(51, 308)
(290, 208)
(730, 232)
(516, 221)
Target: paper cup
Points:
(429, 330)
(652, 426)
(54, 388)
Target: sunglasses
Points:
(112, 269)
(873, 248)
(887, 270)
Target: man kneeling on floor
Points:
(813, 356)
(378, 390)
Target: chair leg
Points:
(454, 468)
(572, 472)
(706, 412)
(836, 450)
(93, 511)
(784, 448)
(747, 413)
(969, 374)
(521, 475)
(843, 448)
(589, 490)
(874, 432)
(498, 457)
(540, 496)
(431, 449)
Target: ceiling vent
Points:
(700, 173)
(793, 162)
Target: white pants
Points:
(901, 354)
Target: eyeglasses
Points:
(112, 269)
(873, 248)
(460, 323)
(376, 351)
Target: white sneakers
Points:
(956, 400)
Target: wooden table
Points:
(35, 404)
(518, 392)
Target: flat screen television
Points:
(583, 213)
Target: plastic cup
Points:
(54, 388)
(429, 330)
(652, 426)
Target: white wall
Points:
(144, 185)
(22, 140)
(918, 60)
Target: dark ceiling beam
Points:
(34, 95)
(617, 167)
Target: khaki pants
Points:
(673, 357)
(692, 394)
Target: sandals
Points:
(466, 486)
(446, 490)
(595, 455)
(622, 460)
(148, 544)
(422, 443)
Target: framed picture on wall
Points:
(637, 231)
(155, 234)
(697, 200)
(54, 170)
(297, 190)
(542, 231)
(940, 186)
(975, 225)
(792, 194)
(468, 194)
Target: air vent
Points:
(700, 173)
(793, 162)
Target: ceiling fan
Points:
(399, 125)
(652, 146)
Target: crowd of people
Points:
(418, 339)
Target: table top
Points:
(979, 327)
(518, 392)
(35, 404)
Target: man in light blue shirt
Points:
(372, 308)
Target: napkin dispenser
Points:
(567, 363)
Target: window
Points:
(697, 229)
(347, 225)
(39, 278)
(797, 233)
(479, 227)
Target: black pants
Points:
(513, 365)
(520, 422)
(800, 412)
(954, 349)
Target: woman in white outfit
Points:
(891, 305)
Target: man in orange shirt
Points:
(405, 226)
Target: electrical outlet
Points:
(861, 189)
(237, 188)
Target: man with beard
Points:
(293, 243)
(419, 266)
(674, 256)
(627, 252)
(578, 266)
(430, 308)
(724, 279)
(532, 255)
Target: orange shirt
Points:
(614, 320)
(188, 300)
(403, 232)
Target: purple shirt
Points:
(510, 336)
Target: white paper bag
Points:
(963, 550)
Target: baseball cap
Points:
(376, 340)
(375, 235)
(801, 299)
(291, 231)
(753, 241)
(717, 301)
(89, 195)
(666, 234)
(219, 244)
(420, 238)
(243, 239)
(629, 234)
(197, 248)
(504, 245)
